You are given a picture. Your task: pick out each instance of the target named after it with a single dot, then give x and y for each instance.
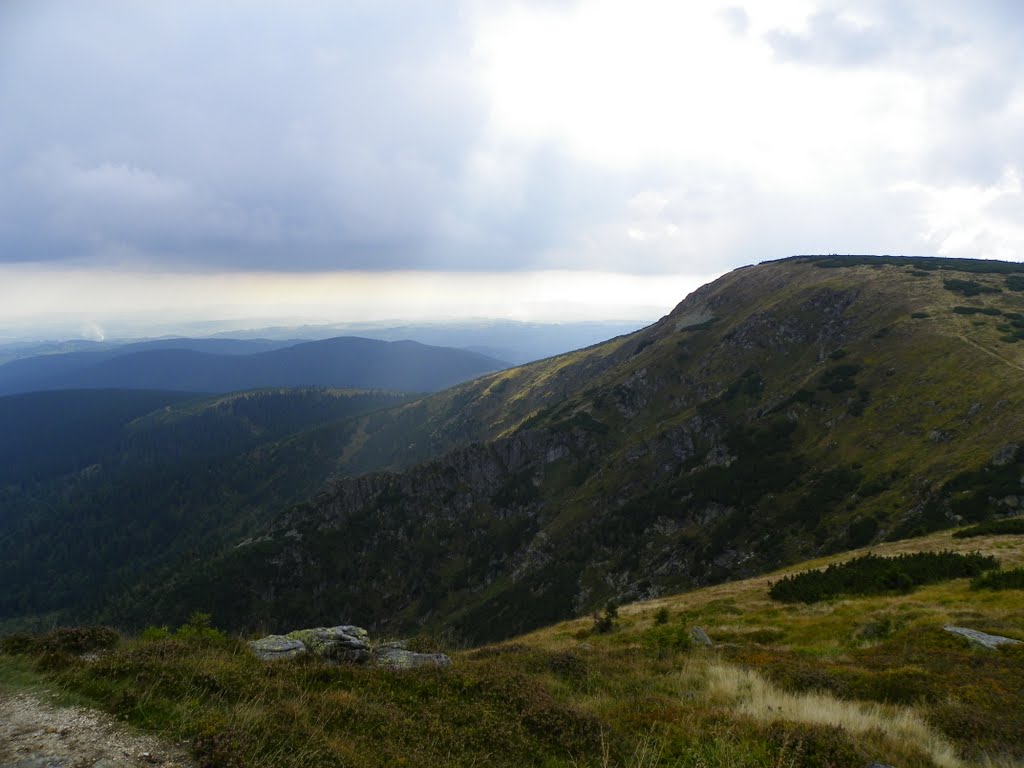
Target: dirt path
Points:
(34, 734)
(991, 353)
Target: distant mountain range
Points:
(227, 365)
(512, 340)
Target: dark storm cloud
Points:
(250, 135)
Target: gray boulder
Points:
(40, 761)
(700, 637)
(398, 658)
(344, 643)
(992, 642)
(273, 647)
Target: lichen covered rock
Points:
(275, 647)
(345, 643)
(399, 658)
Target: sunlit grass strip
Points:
(750, 694)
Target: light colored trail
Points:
(36, 734)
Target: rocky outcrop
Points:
(700, 637)
(394, 657)
(344, 644)
(992, 642)
(274, 647)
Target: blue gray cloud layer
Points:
(321, 136)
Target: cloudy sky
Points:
(367, 159)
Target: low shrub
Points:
(1015, 282)
(17, 644)
(817, 746)
(64, 641)
(1008, 526)
(839, 378)
(152, 633)
(968, 287)
(667, 638)
(1013, 579)
(605, 622)
(992, 311)
(872, 575)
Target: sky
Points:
(531, 159)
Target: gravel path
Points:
(34, 734)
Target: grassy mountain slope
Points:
(841, 683)
(785, 410)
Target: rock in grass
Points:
(273, 647)
(992, 642)
(399, 658)
(345, 643)
(700, 637)
(40, 761)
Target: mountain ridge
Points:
(786, 410)
(741, 431)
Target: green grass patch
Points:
(873, 575)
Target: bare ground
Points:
(36, 734)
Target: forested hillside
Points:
(101, 488)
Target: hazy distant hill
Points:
(226, 365)
(33, 366)
(511, 340)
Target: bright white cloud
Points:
(614, 136)
(973, 221)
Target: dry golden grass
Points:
(840, 634)
(750, 695)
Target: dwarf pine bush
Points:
(873, 575)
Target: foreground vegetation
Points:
(842, 682)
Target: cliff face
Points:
(786, 410)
